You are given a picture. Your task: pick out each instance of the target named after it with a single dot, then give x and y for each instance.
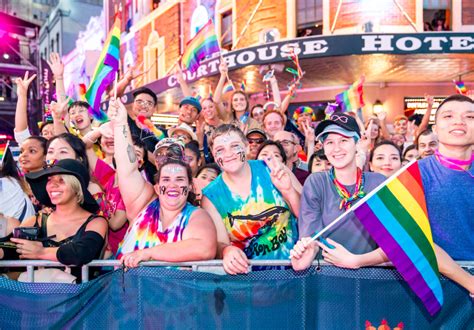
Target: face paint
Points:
(184, 190)
(239, 150)
(220, 161)
(162, 190)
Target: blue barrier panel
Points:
(160, 298)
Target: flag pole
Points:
(247, 25)
(363, 200)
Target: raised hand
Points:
(23, 84)
(279, 175)
(364, 142)
(429, 99)
(382, 115)
(223, 69)
(178, 74)
(56, 65)
(117, 112)
(59, 110)
(308, 133)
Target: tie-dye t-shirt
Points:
(262, 225)
(147, 230)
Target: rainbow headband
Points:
(303, 109)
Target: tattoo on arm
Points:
(125, 131)
(131, 154)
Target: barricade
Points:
(152, 297)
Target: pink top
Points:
(105, 174)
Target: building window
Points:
(52, 46)
(154, 57)
(57, 43)
(309, 17)
(437, 15)
(226, 30)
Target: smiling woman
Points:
(163, 224)
(326, 195)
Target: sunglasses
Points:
(256, 141)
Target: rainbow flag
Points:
(105, 71)
(3, 150)
(460, 87)
(243, 85)
(395, 215)
(352, 98)
(229, 87)
(203, 44)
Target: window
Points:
(57, 43)
(226, 28)
(309, 17)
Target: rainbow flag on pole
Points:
(203, 44)
(352, 98)
(460, 87)
(105, 71)
(229, 87)
(396, 217)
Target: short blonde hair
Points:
(75, 185)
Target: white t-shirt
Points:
(13, 200)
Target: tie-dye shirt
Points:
(262, 225)
(147, 230)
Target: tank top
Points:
(262, 225)
(147, 231)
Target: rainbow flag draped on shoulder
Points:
(396, 217)
(203, 44)
(105, 71)
(353, 97)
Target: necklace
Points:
(347, 198)
(453, 163)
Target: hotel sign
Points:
(328, 46)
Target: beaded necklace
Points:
(453, 163)
(347, 198)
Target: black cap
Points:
(344, 121)
(38, 181)
(144, 90)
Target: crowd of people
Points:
(235, 181)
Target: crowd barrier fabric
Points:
(163, 298)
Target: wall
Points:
(383, 14)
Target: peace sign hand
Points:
(279, 174)
(23, 84)
(364, 142)
(58, 110)
(308, 133)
